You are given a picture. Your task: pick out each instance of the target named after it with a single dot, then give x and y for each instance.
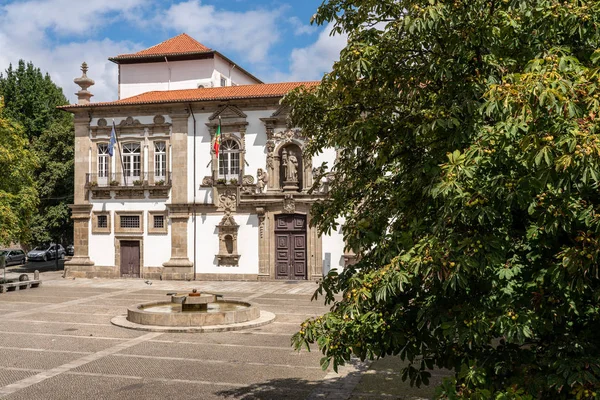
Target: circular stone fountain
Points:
(193, 312)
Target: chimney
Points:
(83, 96)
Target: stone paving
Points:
(57, 342)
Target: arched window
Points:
(131, 161)
(160, 160)
(103, 158)
(229, 160)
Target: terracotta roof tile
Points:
(181, 44)
(264, 90)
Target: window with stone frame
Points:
(160, 161)
(129, 222)
(157, 222)
(103, 162)
(101, 222)
(229, 160)
(132, 160)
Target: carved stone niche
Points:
(228, 234)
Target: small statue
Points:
(292, 168)
(262, 178)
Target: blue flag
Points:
(113, 140)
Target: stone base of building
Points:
(226, 277)
(160, 273)
(90, 271)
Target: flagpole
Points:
(120, 154)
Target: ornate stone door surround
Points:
(267, 245)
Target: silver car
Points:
(46, 252)
(13, 256)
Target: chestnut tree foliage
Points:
(467, 176)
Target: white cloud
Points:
(311, 62)
(64, 17)
(58, 35)
(250, 34)
(24, 34)
(301, 29)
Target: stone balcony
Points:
(121, 186)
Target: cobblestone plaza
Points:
(57, 342)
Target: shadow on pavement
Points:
(42, 266)
(292, 388)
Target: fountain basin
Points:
(161, 313)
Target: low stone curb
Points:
(19, 285)
(265, 318)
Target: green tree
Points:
(18, 196)
(467, 178)
(31, 99)
(55, 179)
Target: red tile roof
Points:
(264, 90)
(178, 45)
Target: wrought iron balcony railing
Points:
(117, 180)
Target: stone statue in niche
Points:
(262, 178)
(290, 166)
(289, 162)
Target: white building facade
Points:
(164, 205)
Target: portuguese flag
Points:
(218, 138)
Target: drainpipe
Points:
(194, 180)
(169, 68)
(231, 69)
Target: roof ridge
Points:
(259, 90)
(173, 42)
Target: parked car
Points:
(13, 256)
(70, 250)
(46, 252)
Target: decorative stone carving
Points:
(101, 193)
(129, 193)
(84, 95)
(131, 126)
(228, 233)
(228, 112)
(207, 181)
(227, 200)
(260, 212)
(289, 204)
(129, 121)
(247, 180)
(262, 178)
(288, 135)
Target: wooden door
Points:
(290, 241)
(130, 259)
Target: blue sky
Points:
(272, 39)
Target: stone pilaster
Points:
(263, 244)
(179, 154)
(82, 154)
(80, 213)
(179, 266)
(81, 209)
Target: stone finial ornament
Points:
(83, 96)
